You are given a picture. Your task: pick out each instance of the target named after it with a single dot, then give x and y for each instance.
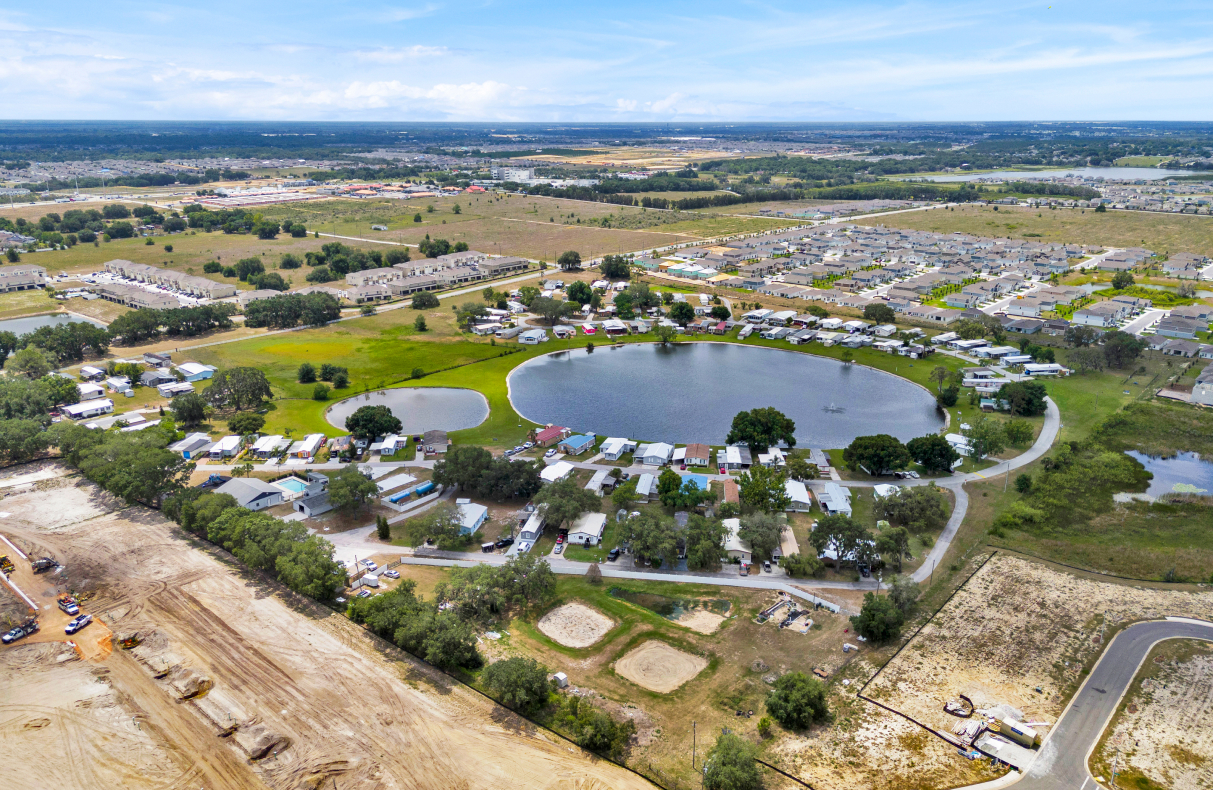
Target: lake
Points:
(690, 392)
(419, 409)
(23, 326)
(1182, 473)
(1110, 173)
(1093, 287)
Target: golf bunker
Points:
(575, 625)
(658, 667)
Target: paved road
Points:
(1144, 321)
(1062, 762)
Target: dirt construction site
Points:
(233, 683)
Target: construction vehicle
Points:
(20, 632)
(6, 564)
(43, 565)
(130, 641)
(69, 606)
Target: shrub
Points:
(321, 392)
(518, 683)
(798, 701)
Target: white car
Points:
(549, 453)
(370, 565)
(391, 574)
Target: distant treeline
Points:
(141, 180)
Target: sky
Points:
(607, 61)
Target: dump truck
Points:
(43, 565)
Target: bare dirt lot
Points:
(238, 684)
(701, 620)
(1015, 626)
(575, 625)
(659, 667)
(1163, 729)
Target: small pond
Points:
(1124, 173)
(419, 409)
(23, 326)
(1093, 287)
(671, 608)
(690, 392)
(1183, 473)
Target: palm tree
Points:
(939, 375)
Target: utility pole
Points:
(693, 745)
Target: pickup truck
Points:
(69, 606)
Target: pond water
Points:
(690, 392)
(1184, 473)
(671, 608)
(1123, 173)
(419, 409)
(1093, 287)
(23, 326)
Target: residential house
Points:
(656, 454)
(556, 472)
(252, 493)
(697, 455)
(314, 504)
(193, 445)
(551, 435)
(835, 499)
(801, 501)
(734, 546)
(615, 448)
(92, 408)
(307, 447)
(1181, 327)
(88, 390)
(533, 337)
(587, 529)
(471, 516)
(194, 371)
(226, 447)
(646, 487)
(576, 445)
(1202, 390)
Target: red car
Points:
(723, 471)
(559, 539)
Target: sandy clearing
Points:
(575, 625)
(349, 711)
(657, 666)
(701, 620)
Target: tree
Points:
(704, 540)
(566, 500)
(682, 312)
(879, 313)
(33, 362)
(903, 592)
(238, 389)
(248, 267)
(732, 765)
(21, 440)
(12, 255)
(443, 523)
(349, 489)
(763, 488)
(419, 324)
(1079, 336)
(851, 540)
(1122, 280)
(1023, 483)
(518, 683)
(947, 398)
(939, 374)
(668, 484)
(8, 344)
(877, 455)
(986, 437)
(652, 538)
(761, 429)
(424, 301)
(798, 701)
(526, 294)
(801, 566)
(580, 292)
(624, 495)
(720, 313)
(933, 452)
(762, 531)
(569, 261)
(893, 544)
(616, 267)
(1121, 348)
(370, 422)
(665, 334)
(320, 392)
(551, 310)
(189, 409)
(800, 469)
(1025, 398)
(1087, 359)
(1018, 432)
(62, 390)
(244, 423)
(1101, 209)
(879, 620)
(593, 574)
(818, 311)
(383, 530)
(307, 373)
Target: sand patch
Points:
(575, 625)
(658, 667)
(701, 620)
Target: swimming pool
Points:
(292, 484)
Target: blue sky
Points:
(617, 61)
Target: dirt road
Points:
(230, 671)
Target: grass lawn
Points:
(1170, 233)
(610, 539)
(18, 303)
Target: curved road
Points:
(1062, 761)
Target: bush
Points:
(732, 765)
(801, 566)
(879, 620)
(212, 267)
(595, 729)
(518, 683)
(307, 373)
(321, 392)
(798, 701)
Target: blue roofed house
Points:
(576, 445)
(194, 371)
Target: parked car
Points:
(391, 574)
(683, 467)
(865, 571)
(766, 566)
(559, 539)
(550, 453)
(613, 555)
(78, 623)
(364, 593)
(501, 544)
(559, 547)
(527, 445)
(724, 471)
(370, 565)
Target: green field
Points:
(1162, 233)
